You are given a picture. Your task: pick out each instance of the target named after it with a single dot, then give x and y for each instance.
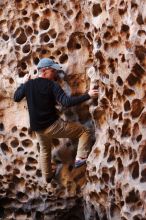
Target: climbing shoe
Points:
(79, 163)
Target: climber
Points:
(41, 94)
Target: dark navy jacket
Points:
(42, 95)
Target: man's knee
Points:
(87, 132)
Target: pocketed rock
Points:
(99, 44)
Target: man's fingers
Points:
(95, 92)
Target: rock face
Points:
(99, 44)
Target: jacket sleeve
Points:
(19, 93)
(65, 100)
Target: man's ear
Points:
(43, 72)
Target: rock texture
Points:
(101, 44)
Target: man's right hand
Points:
(93, 93)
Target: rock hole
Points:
(137, 108)
(126, 128)
(50, 45)
(36, 60)
(24, 12)
(141, 33)
(22, 197)
(46, 38)
(44, 24)
(21, 134)
(128, 91)
(99, 56)
(134, 169)
(107, 145)
(115, 43)
(22, 38)
(14, 129)
(2, 211)
(14, 143)
(112, 175)
(133, 5)
(69, 13)
(130, 153)
(123, 58)
(127, 106)
(52, 2)
(111, 155)
(31, 160)
(111, 133)
(26, 19)
(139, 138)
(104, 103)
(115, 115)
(55, 141)
(63, 58)
(124, 28)
(27, 143)
(52, 33)
(96, 10)
(140, 19)
(109, 94)
(105, 175)
(140, 53)
(115, 211)
(30, 168)
(23, 65)
(5, 37)
(26, 48)
(133, 196)
(138, 70)
(5, 149)
(2, 127)
(119, 81)
(24, 129)
(120, 165)
(21, 74)
(11, 81)
(107, 35)
(122, 11)
(142, 158)
(143, 119)
(111, 65)
(87, 25)
(143, 176)
(138, 217)
(8, 168)
(78, 46)
(119, 190)
(28, 31)
(135, 130)
(132, 79)
(38, 173)
(35, 17)
(18, 162)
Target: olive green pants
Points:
(61, 129)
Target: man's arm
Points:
(68, 101)
(19, 93)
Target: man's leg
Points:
(45, 156)
(63, 129)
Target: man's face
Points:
(50, 73)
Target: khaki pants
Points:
(61, 129)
